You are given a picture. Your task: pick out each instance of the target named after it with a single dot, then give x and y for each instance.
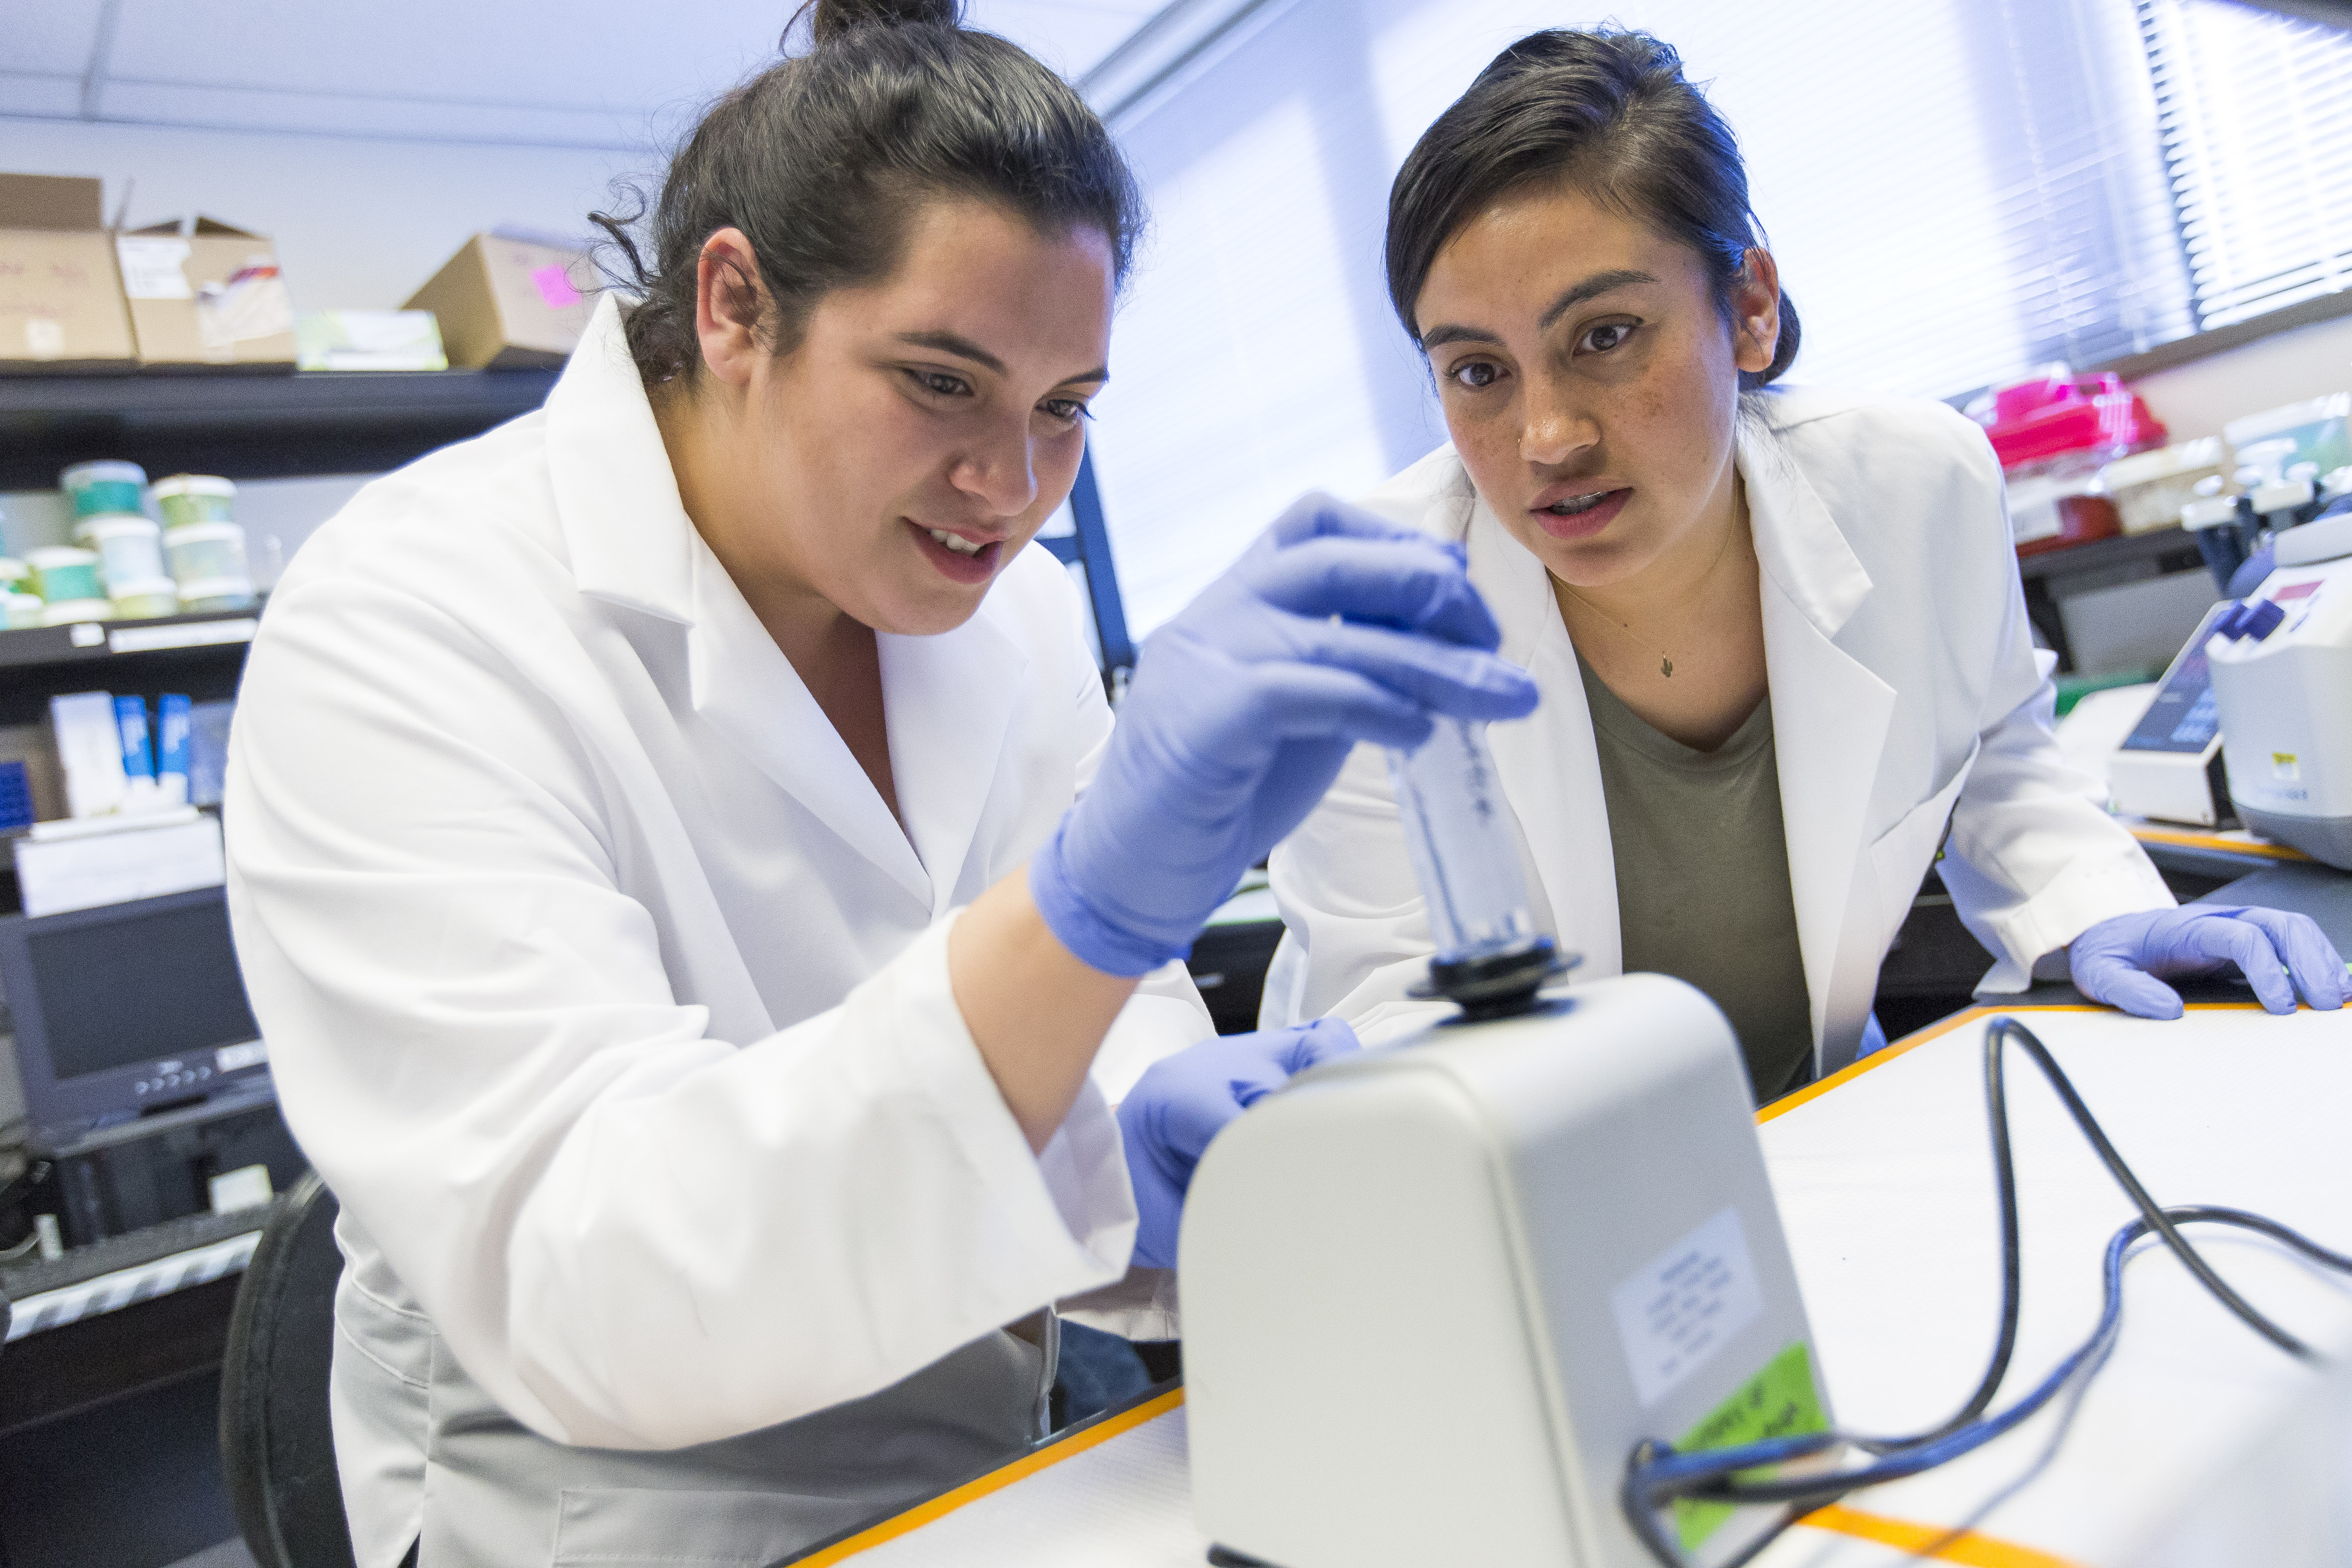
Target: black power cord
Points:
(1656, 1475)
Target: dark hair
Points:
(1608, 112)
(822, 159)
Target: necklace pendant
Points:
(1667, 667)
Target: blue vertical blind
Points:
(2255, 113)
(1956, 191)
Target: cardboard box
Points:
(510, 304)
(205, 296)
(60, 302)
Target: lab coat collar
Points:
(624, 528)
(632, 545)
(1800, 548)
(946, 704)
(745, 687)
(948, 700)
(1830, 712)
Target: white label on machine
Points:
(1685, 1304)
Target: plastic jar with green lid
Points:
(95, 488)
(186, 500)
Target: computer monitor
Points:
(127, 1008)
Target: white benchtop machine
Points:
(2281, 673)
(1435, 1295)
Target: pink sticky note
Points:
(554, 286)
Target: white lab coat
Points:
(602, 986)
(1906, 695)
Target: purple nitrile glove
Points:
(2117, 961)
(1335, 627)
(1183, 1100)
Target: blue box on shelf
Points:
(15, 798)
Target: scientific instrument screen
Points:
(118, 993)
(2185, 716)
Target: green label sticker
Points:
(1778, 1402)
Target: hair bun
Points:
(831, 19)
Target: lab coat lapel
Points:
(624, 528)
(747, 689)
(949, 702)
(631, 543)
(1547, 764)
(1830, 711)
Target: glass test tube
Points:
(1464, 851)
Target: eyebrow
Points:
(1598, 284)
(965, 348)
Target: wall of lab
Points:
(358, 224)
(2200, 397)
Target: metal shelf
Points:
(247, 426)
(2099, 554)
(227, 630)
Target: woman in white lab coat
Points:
(1780, 638)
(627, 822)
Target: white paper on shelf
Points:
(146, 862)
(89, 748)
(180, 633)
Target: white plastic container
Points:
(208, 559)
(19, 609)
(2149, 489)
(130, 550)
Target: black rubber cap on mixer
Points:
(1498, 983)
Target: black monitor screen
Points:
(138, 990)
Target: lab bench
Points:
(2198, 1442)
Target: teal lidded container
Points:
(104, 487)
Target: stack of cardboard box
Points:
(202, 295)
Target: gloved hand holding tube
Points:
(2119, 961)
(1333, 627)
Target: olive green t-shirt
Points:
(1703, 878)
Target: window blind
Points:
(2255, 115)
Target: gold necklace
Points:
(1665, 662)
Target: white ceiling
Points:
(563, 73)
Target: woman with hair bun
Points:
(654, 862)
(1780, 636)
